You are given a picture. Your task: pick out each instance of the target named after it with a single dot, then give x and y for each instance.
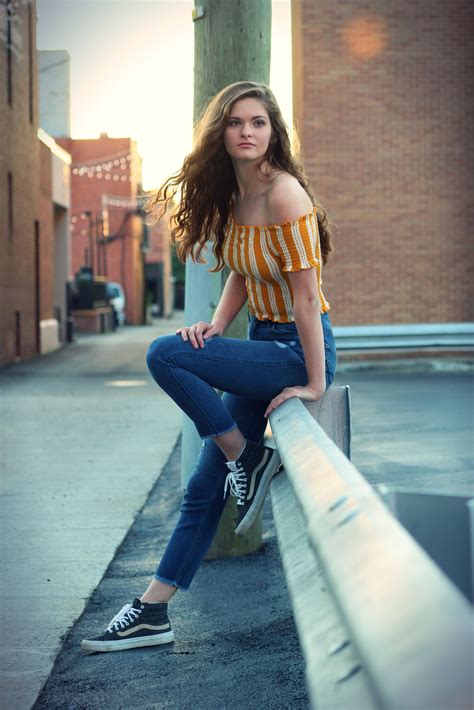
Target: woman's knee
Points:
(160, 350)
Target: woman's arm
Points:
(306, 309)
(288, 201)
(307, 314)
(231, 301)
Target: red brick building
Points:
(19, 184)
(27, 295)
(105, 182)
(33, 253)
(384, 108)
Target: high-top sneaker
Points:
(136, 624)
(249, 479)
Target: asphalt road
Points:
(86, 434)
(412, 426)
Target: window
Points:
(9, 54)
(30, 60)
(17, 334)
(10, 206)
(37, 302)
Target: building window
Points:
(17, 334)
(30, 59)
(9, 54)
(37, 304)
(10, 206)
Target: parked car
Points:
(117, 301)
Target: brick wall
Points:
(19, 156)
(384, 106)
(159, 252)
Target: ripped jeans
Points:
(250, 373)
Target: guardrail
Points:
(405, 336)
(379, 623)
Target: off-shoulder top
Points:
(265, 253)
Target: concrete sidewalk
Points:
(85, 433)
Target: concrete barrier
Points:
(380, 625)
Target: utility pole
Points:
(231, 43)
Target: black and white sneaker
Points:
(249, 479)
(137, 624)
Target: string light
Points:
(111, 201)
(97, 168)
(117, 201)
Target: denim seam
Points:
(192, 398)
(196, 539)
(221, 433)
(238, 362)
(168, 581)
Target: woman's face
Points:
(248, 130)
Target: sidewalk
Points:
(235, 641)
(85, 433)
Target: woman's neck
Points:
(251, 180)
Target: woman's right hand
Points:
(199, 332)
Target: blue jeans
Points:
(250, 373)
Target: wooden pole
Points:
(231, 43)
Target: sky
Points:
(132, 71)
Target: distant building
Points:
(55, 92)
(107, 232)
(384, 114)
(55, 267)
(158, 276)
(33, 201)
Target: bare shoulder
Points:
(287, 199)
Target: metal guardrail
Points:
(380, 625)
(405, 336)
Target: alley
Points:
(85, 433)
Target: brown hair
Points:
(206, 182)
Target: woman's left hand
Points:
(306, 392)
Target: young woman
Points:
(241, 189)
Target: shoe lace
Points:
(127, 614)
(237, 481)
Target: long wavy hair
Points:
(206, 183)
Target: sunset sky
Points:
(132, 71)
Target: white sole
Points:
(260, 496)
(105, 646)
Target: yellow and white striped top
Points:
(264, 253)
